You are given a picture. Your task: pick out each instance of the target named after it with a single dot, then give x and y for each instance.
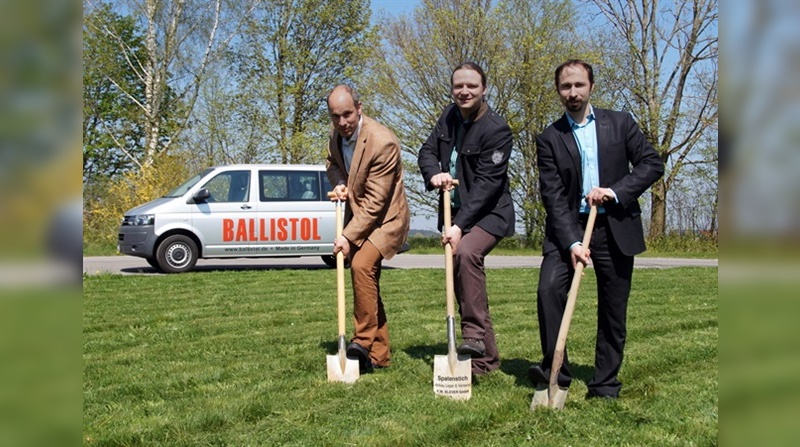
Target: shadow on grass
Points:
(518, 368)
(330, 347)
(419, 352)
(426, 352)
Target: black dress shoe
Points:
(594, 394)
(472, 347)
(538, 375)
(356, 351)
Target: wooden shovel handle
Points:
(561, 342)
(448, 256)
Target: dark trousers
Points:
(369, 316)
(613, 271)
(473, 302)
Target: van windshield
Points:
(187, 185)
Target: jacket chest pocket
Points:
(470, 153)
(470, 150)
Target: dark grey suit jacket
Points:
(628, 165)
(482, 168)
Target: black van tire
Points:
(330, 261)
(177, 254)
(153, 263)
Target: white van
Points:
(235, 211)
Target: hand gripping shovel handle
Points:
(449, 285)
(561, 342)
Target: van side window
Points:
(295, 186)
(308, 188)
(273, 186)
(231, 186)
(326, 185)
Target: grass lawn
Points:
(238, 358)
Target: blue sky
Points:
(393, 7)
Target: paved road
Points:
(128, 265)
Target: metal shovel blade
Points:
(342, 371)
(452, 373)
(335, 372)
(453, 381)
(541, 397)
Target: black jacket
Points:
(482, 169)
(628, 165)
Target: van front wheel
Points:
(330, 261)
(153, 263)
(177, 254)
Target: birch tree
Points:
(180, 39)
(290, 54)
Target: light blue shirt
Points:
(586, 138)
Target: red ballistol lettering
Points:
(272, 229)
(315, 229)
(293, 221)
(305, 229)
(241, 230)
(282, 229)
(262, 231)
(227, 230)
(252, 227)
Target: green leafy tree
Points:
(113, 132)
(178, 42)
(537, 37)
(517, 42)
(290, 54)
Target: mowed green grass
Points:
(235, 358)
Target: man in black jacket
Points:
(588, 157)
(472, 143)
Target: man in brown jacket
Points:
(365, 167)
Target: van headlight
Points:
(140, 219)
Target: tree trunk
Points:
(658, 210)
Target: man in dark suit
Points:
(590, 156)
(472, 143)
(364, 165)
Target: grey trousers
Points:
(473, 302)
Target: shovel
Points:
(554, 396)
(452, 373)
(341, 368)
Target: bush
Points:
(103, 215)
(421, 242)
(674, 242)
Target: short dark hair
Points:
(353, 93)
(573, 62)
(469, 66)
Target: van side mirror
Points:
(200, 196)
